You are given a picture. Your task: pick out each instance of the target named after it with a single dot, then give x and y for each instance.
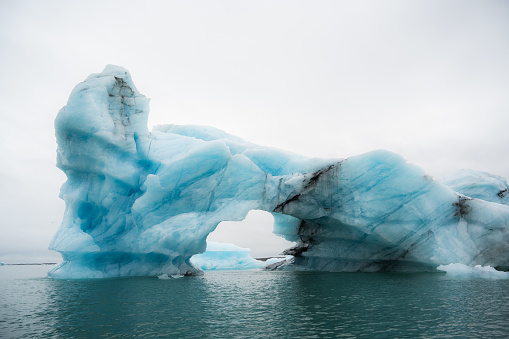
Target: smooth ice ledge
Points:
(221, 256)
(142, 203)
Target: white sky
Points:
(426, 79)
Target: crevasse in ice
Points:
(143, 203)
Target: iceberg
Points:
(463, 271)
(221, 256)
(142, 203)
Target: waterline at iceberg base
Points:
(141, 203)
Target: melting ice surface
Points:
(220, 256)
(142, 203)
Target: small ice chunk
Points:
(223, 256)
(464, 271)
(166, 276)
(275, 260)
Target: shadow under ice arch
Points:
(143, 203)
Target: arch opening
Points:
(254, 232)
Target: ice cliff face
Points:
(143, 203)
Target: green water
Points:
(252, 304)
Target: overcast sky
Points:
(426, 79)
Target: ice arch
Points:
(142, 203)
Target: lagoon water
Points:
(252, 304)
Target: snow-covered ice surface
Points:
(221, 256)
(478, 271)
(143, 203)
